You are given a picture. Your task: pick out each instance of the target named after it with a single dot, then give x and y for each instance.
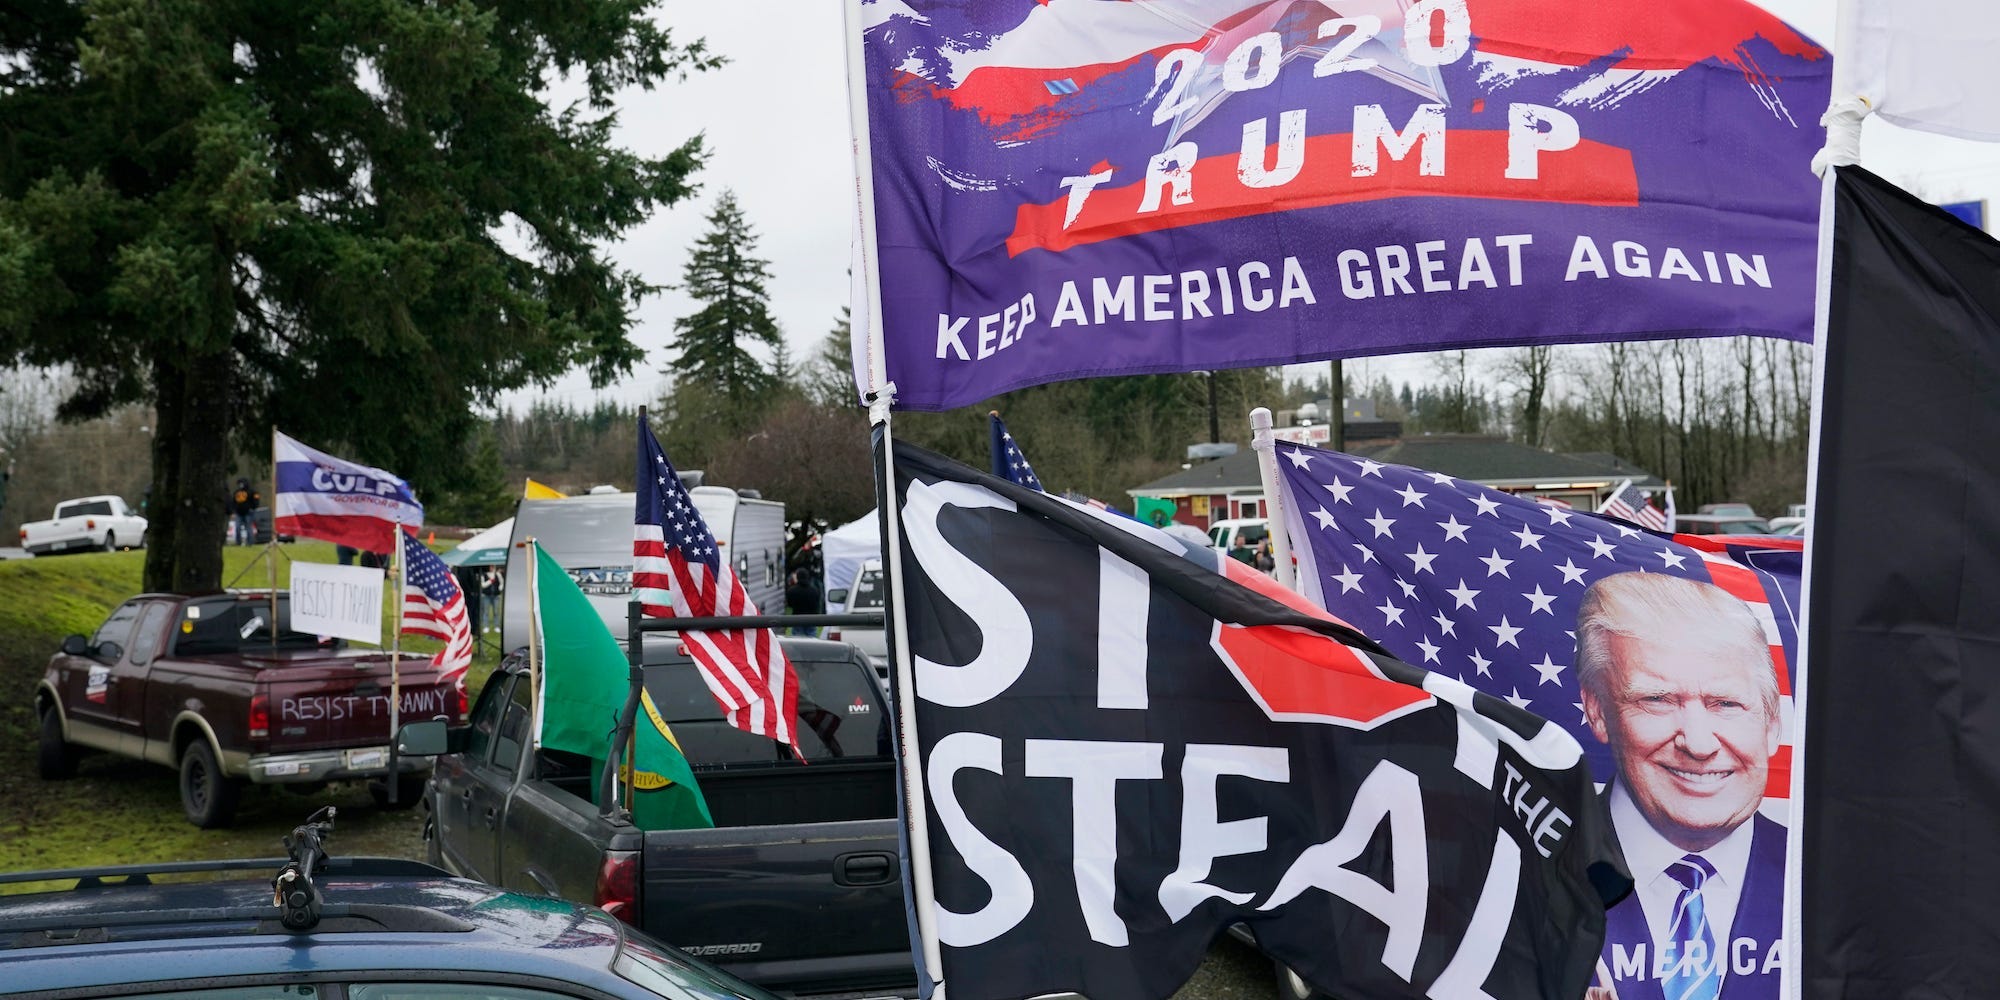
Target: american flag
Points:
(1628, 504)
(1008, 462)
(1484, 586)
(434, 606)
(678, 572)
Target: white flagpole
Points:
(880, 395)
(1616, 491)
(1262, 439)
(396, 639)
(535, 651)
(1791, 978)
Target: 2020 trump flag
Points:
(1128, 744)
(1070, 188)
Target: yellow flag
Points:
(536, 491)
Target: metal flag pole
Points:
(535, 651)
(396, 562)
(1265, 443)
(271, 550)
(880, 396)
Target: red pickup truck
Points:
(217, 687)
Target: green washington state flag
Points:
(584, 682)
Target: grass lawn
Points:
(120, 811)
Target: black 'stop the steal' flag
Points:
(1901, 811)
(1129, 744)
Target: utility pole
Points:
(1338, 397)
(1214, 424)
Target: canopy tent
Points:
(843, 549)
(488, 548)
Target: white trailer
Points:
(590, 537)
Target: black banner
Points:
(1902, 789)
(1130, 744)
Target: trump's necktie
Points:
(1696, 975)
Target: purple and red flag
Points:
(678, 572)
(434, 605)
(1072, 188)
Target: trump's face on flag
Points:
(1677, 680)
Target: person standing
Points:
(802, 597)
(243, 513)
(489, 597)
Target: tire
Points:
(1293, 987)
(110, 542)
(55, 759)
(207, 795)
(409, 791)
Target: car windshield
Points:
(680, 975)
(867, 594)
(87, 507)
(229, 624)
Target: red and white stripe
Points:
(745, 669)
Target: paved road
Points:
(14, 554)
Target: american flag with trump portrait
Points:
(678, 572)
(1669, 657)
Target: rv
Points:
(590, 536)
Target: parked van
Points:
(867, 594)
(590, 537)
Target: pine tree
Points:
(253, 215)
(728, 278)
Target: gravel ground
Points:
(1234, 971)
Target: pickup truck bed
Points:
(797, 888)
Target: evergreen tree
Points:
(727, 277)
(253, 215)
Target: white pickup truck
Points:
(86, 523)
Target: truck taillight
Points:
(91, 524)
(834, 634)
(618, 885)
(260, 717)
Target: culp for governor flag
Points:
(585, 678)
(1902, 659)
(1129, 744)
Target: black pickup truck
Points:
(797, 888)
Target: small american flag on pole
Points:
(678, 572)
(1626, 503)
(434, 606)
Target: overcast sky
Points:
(776, 121)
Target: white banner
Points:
(1923, 64)
(344, 601)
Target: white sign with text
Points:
(344, 601)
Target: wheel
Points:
(55, 759)
(207, 795)
(1291, 986)
(110, 542)
(409, 791)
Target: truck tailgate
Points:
(317, 702)
(789, 907)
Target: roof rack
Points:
(296, 901)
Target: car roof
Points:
(123, 926)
